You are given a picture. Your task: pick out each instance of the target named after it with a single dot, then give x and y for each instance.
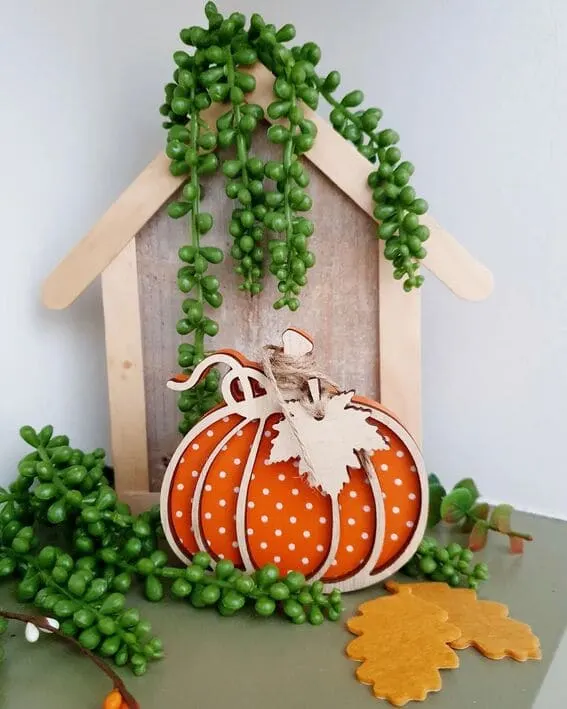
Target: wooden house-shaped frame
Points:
(133, 248)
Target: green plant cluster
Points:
(268, 226)
(461, 508)
(451, 564)
(98, 551)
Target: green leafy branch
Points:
(450, 564)
(269, 228)
(461, 508)
(41, 622)
(63, 492)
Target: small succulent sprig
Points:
(245, 173)
(290, 258)
(118, 698)
(229, 589)
(451, 564)
(397, 206)
(461, 508)
(64, 493)
(189, 145)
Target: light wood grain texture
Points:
(339, 306)
(140, 501)
(399, 332)
(297, 343)
(333, 155)
(125, 371)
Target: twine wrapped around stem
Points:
(299, 378)
(291, 374)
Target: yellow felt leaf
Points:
(402, 644)
(484, 625)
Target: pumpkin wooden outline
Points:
(261, 407)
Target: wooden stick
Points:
(399, 350)
(125, 371)
(42, 622)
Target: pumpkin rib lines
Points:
(347, 580)
(241, 534)
(174, 528)
(196, 508)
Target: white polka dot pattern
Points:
(284, 517)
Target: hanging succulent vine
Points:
(63, 493)
(216, 71)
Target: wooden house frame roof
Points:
(333, 155)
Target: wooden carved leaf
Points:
(403, 644)
(484, 625)
(330, 442)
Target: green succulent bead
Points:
(113, 604)
(122, 582)
(293, 609)
(90, 638)
(224, 568)
(153, 589)
(333, 614)
(332, 81)
(181, 588)
(110, 647)
(279, 591)
(210, 595)
(106, 626)
(202, 559)
(265, 606)
(96, 590)
(233, 600)
(278, 134)
(84, 618)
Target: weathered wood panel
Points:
(339, 306)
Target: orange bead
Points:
(114, 701)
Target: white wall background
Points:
(478, 91)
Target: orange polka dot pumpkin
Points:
(223, 493)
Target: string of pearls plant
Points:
(268, 225)
(75, 551)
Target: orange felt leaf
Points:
(403, 644)
(484, 625)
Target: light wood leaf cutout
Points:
(403, 644)
(484, 625)
(330, 442)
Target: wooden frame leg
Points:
(400, 350)
(125, 371)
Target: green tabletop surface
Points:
(251, 663)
